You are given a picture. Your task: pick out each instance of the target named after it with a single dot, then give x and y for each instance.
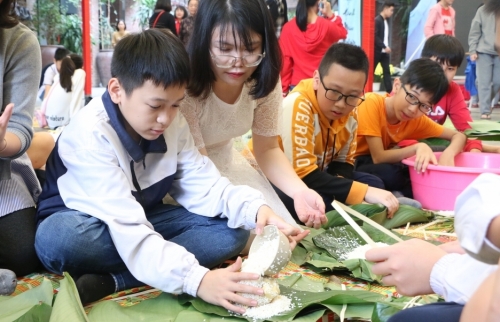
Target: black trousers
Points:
(435, 312)
(384, 60)
(17, 242)
(396, 176)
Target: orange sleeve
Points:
(369, 122)
(298, 136)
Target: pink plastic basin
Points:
(439, 186)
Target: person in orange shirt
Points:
(319, 131)
(384, 121)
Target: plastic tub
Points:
(439, 186)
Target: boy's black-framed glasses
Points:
(413, 100)
(335, 96)
(228, 61)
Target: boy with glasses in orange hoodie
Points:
(319, 131)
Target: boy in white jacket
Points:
(100, 216)
(454, 271)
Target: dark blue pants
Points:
(435, 312)
(396, 176)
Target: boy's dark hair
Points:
(492, 6)
(348, 56)
(446, 49)
(427, 75)
(245, 16)
(301, 13)
(60, 53)
(121, 20)
(163, 5)
(69, 64)
(8, 18)
(155, 55)
(388, 4)
(184, 10)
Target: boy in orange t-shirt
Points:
(385, 121)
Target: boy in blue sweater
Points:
(101, 217)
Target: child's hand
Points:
(423, 156)
(265, 216)
(310, 208)
(447, 159)
(406, 265)
(220, 286)
(375, 195)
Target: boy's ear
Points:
(316, 81)
(396, 85)
(115, 90)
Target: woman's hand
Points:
(423, 156)
(4, 121)
(310, 208)
(265, 216)
(220, 287)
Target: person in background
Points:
(51, 71)
(162, 18)
(66, 96)
(441, 19)
(279, 12)
(235, 87)
(187, 23)
(305, 39)
(20, 72)
(121, 31)
(382, 49)
(482, 51)
(180, 14)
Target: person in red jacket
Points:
(305, 39)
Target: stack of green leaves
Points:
(378, 213)
(484, 130)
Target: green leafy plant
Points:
(48, 21)
(144, 10)
(71, 36)
(105, 27)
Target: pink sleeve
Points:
(458, 111)
(429, 24)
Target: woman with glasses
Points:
(384, 121)
(305, 39)
(235, 87)
(19, 188)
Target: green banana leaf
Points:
(340, 241)
(484, 130)
(165, 307)
(299, 256)
(378, 213)
(304, 302)
(16, 306)
(299, 282)
(38, 313)
(67, 304)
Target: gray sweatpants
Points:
(488, 80)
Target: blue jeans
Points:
(435, 312)
(74, 242)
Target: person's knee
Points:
(40, 149)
